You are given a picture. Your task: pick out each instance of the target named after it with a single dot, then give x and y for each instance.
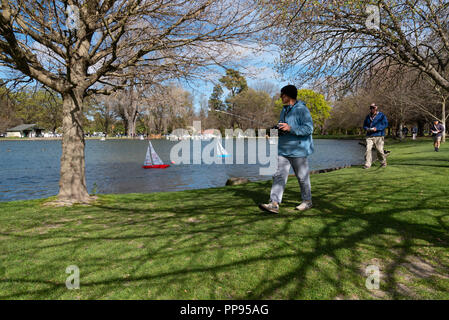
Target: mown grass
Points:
(215, 244)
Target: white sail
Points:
(148, 161)
(154, 156)
(219, 150)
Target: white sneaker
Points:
(304, 206)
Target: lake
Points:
(29, 169)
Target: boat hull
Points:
(157, 166)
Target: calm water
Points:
(30, 169)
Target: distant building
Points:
(24, 131)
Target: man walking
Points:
(437, 131)
(295, 145)
(375, 124)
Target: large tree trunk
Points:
(129, 116)
(125, 124)
(421, 125)
(72, 183)
(132, 121)
(401, 134)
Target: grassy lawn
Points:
(215, 244)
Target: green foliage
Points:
(41, 107)
(278, 106)
(215, 101)
(8, 117)
(234, 82)
(255, 109)
(118, 128)
(101, 114)
(140, 126)
(319, 108)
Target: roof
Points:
(23, 127)
(211, 131)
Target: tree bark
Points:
(401, 134)
(421, 125)
(72, 183)
(132, 121)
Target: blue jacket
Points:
(380, 122)
(298, 142)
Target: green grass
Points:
(215, 244)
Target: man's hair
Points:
(290, 91)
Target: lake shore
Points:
(330, 137)
(60, 138)
(215, 244)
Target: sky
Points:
(257, 67)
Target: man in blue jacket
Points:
(437, 130)
(295, 145)
(375, 124)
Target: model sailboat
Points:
(220, 151)
(152, 160)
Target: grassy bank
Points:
(215, 244)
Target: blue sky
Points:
(257, 66)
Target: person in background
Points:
(405, 132)
(375, 124)
(294, 146)
(437, 130)
(414, 132)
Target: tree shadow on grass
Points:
(204, 246)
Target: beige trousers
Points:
(378, 143)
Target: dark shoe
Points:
(365, 167)
(269, 207)
(383, 165)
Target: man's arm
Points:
(303, 126)
(366, 124)
(383, 123)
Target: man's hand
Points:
(374, 129)
(284, 126)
